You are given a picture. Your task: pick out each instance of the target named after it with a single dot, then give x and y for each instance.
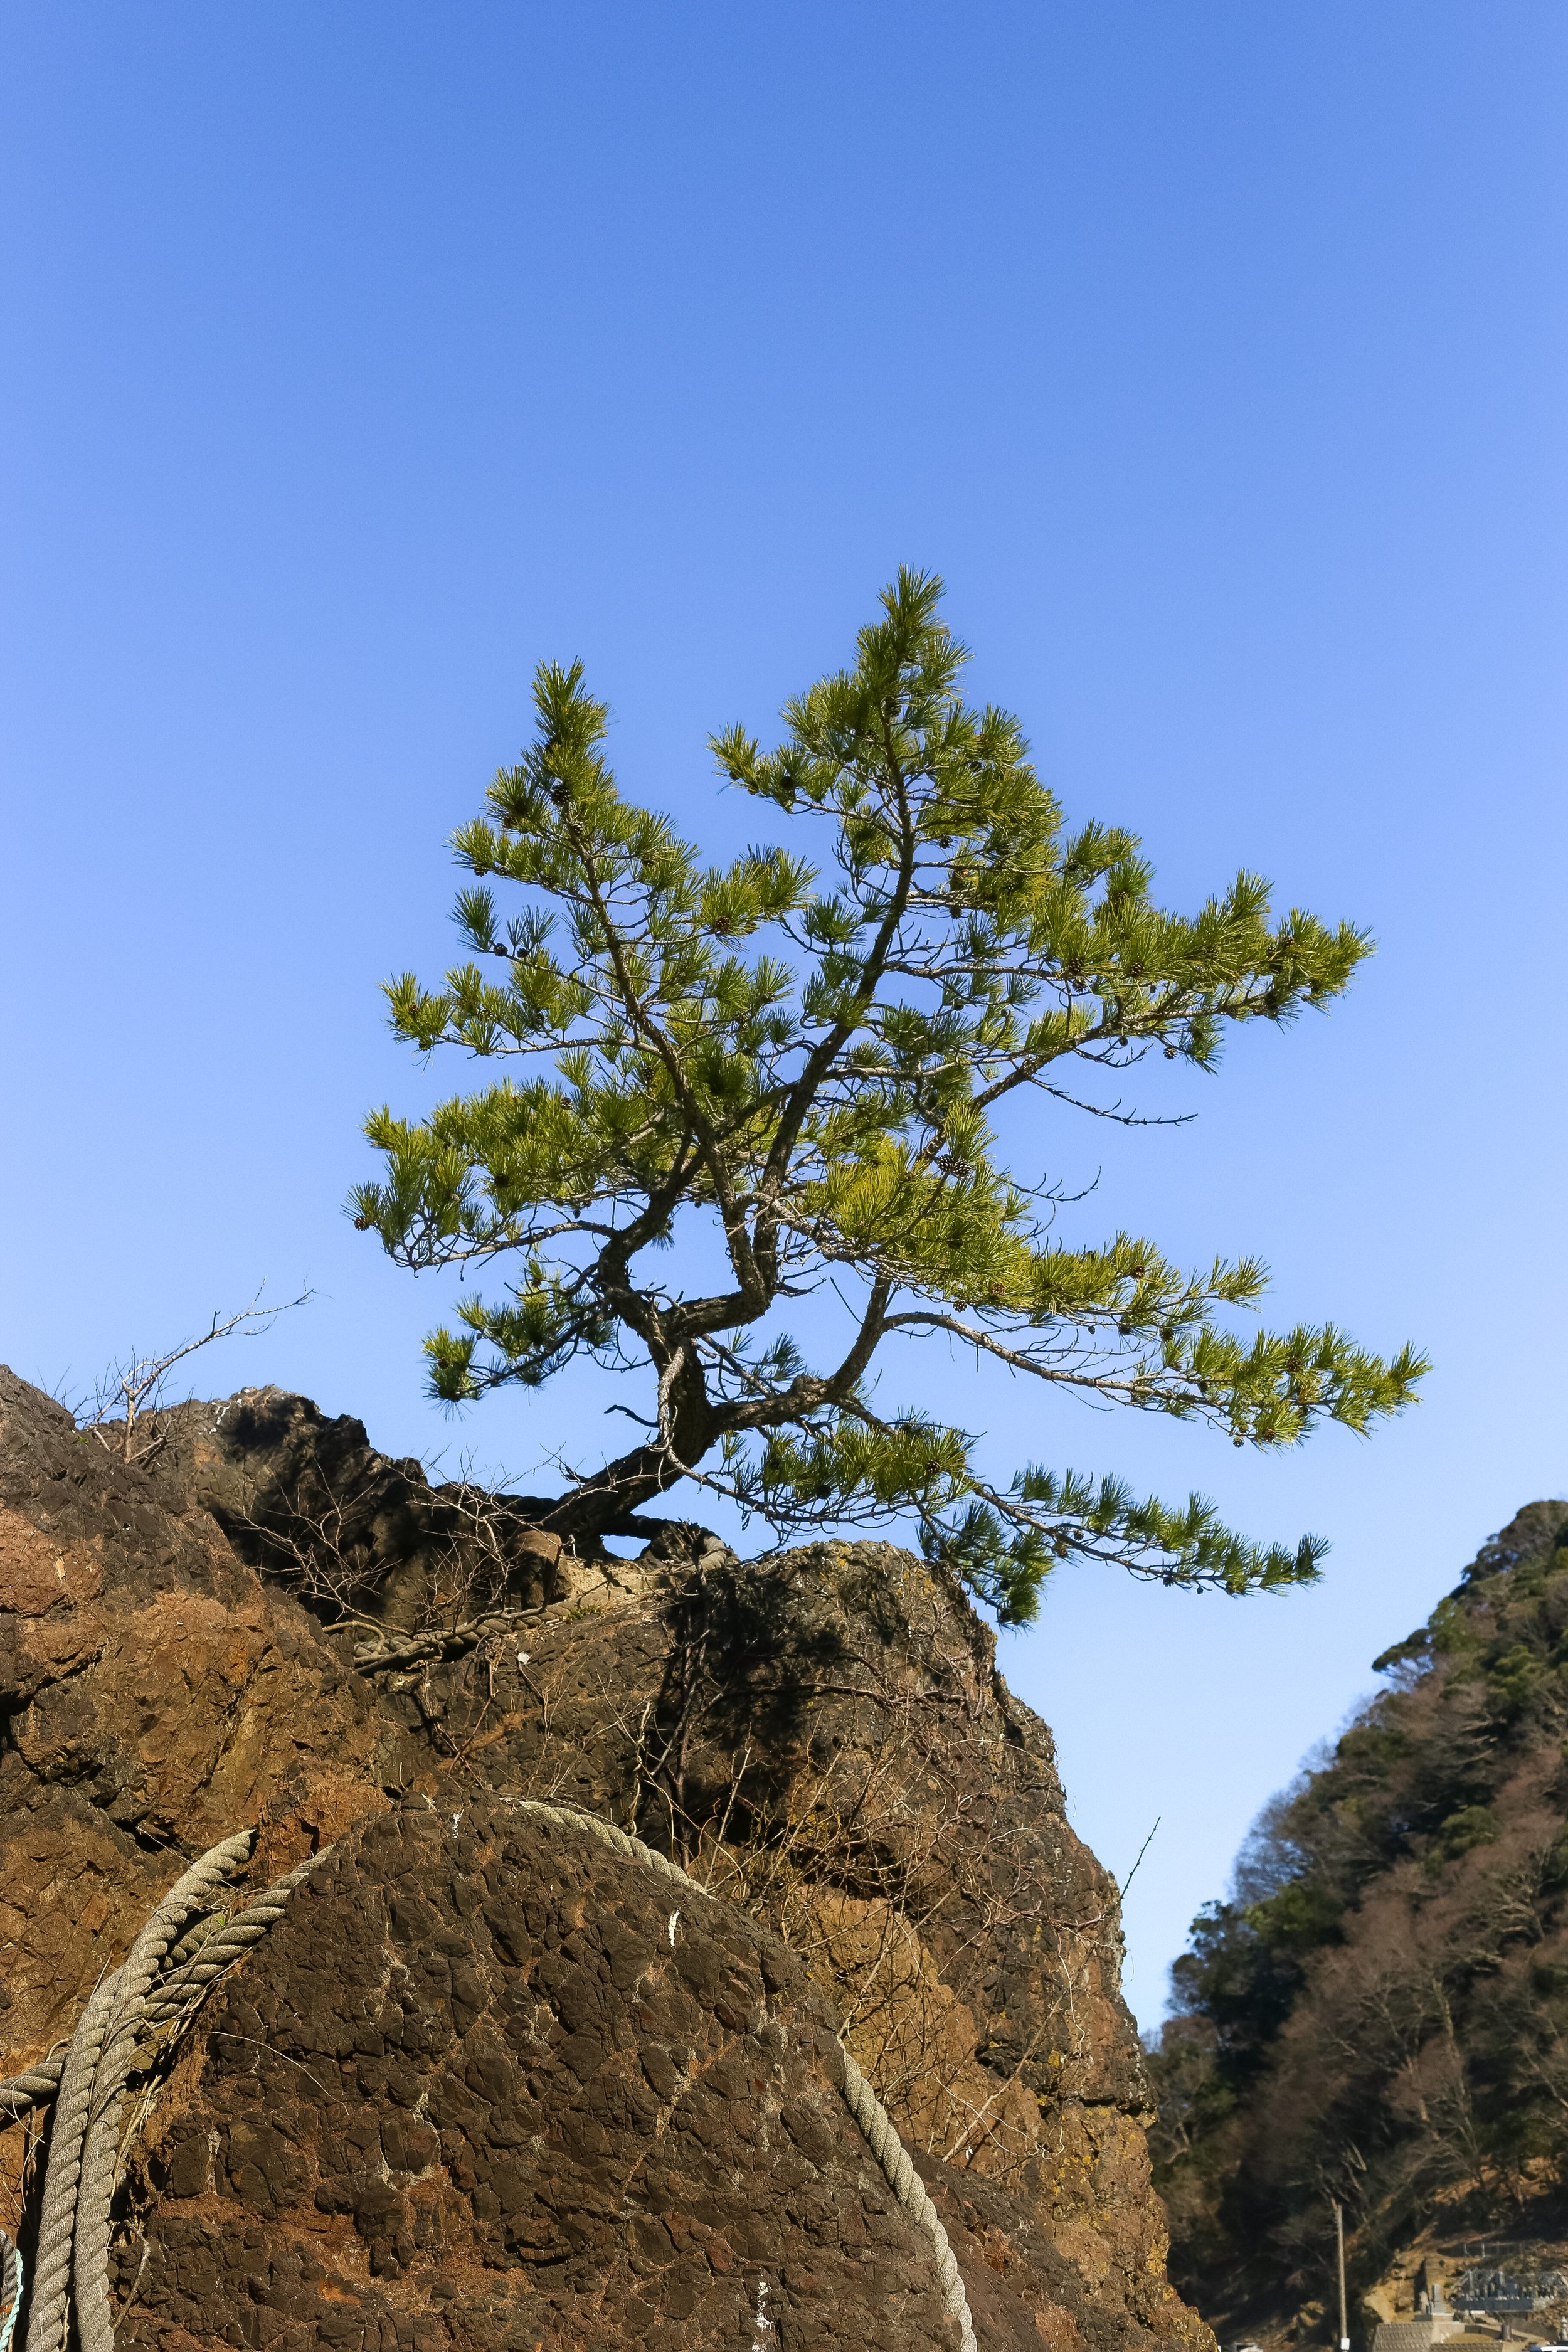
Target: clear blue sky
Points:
(356, 356)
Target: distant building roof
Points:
(1420, 2335)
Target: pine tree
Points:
(812, 1072)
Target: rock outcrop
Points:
(477, 2087)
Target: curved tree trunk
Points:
(601, 1504)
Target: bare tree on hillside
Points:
(131, 1393)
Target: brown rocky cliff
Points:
(256, 1625)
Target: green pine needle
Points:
(809, 1058)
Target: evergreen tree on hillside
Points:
(812, 1072)
(1379, 2014)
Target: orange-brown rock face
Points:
(820, 1738)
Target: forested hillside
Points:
(1380, 2011)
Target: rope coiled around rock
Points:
(876, 2124)
(47, 2315)
(186, 1986)
(126, 2030)
(909, 2189)
(133, 2009)
(144, 2002)
(399, 1649)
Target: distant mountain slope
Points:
(1380, 2010)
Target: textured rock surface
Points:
(470, 2091)
(487, 2082)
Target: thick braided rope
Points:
(130, 2008)
(165, 1928)
(57, 2224)
(618, 1841)
(179, 1990)
(11, 2277)
(862, 2102)
(909, 2189)
(35, 2088)
(100, 2151)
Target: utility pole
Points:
(1339, 2241)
